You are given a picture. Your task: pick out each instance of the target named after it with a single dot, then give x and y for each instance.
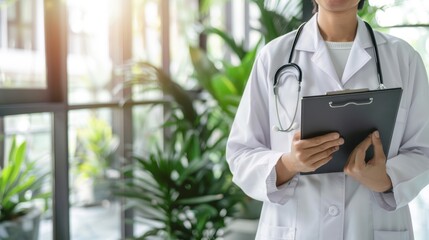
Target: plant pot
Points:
(25, 227)
(92, 191)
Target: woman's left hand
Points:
(373, 173)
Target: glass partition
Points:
(94, 210)
(89, 62)
(33, 130)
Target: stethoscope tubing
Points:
(290, 64)
(280, 70)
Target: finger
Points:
(325, 146)
(322, 155)
(359, 158)
(378, 147)
(316, 141)
(320, 163)
(297, 136)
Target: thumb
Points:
(378, 147)
(297, 136)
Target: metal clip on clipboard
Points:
(345, 104)
(351, 102)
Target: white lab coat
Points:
(330, 206)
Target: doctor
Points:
(366, 201)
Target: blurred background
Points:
(114, 113)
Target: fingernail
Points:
(377, 134)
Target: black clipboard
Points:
(354, 115)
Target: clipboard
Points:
(354, 115)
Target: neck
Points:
(337, 27)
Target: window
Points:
(50, 96)
(95, 212)
(22, 47)
(21, 25)
(90, 41)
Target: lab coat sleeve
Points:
(409, 170)
(248, 152)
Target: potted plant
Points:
(182, 191)
(20, 186)
(93, 163)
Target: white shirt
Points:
(339, 52)
(330, 206)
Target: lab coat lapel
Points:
(358, 55)
(322, 59)
(312, 41)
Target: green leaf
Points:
(147, 185)
(17, 178)
(152, 232)
(22, 187)
(193, 149)
(155, 214)
(204, 68)
(273, 20)
(200, 200)
(229, 40)
(222, 86)
(193, 167)
(16, 157)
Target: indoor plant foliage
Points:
(96, 145)
(93, 161)
(225, 82)
(20, 186)
(182, 191)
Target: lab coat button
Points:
(333, 211)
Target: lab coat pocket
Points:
(391, 235)
(276, 233)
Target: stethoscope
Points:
(293, 125)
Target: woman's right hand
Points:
(307, 155)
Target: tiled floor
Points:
(96, 223)
(89, 223)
